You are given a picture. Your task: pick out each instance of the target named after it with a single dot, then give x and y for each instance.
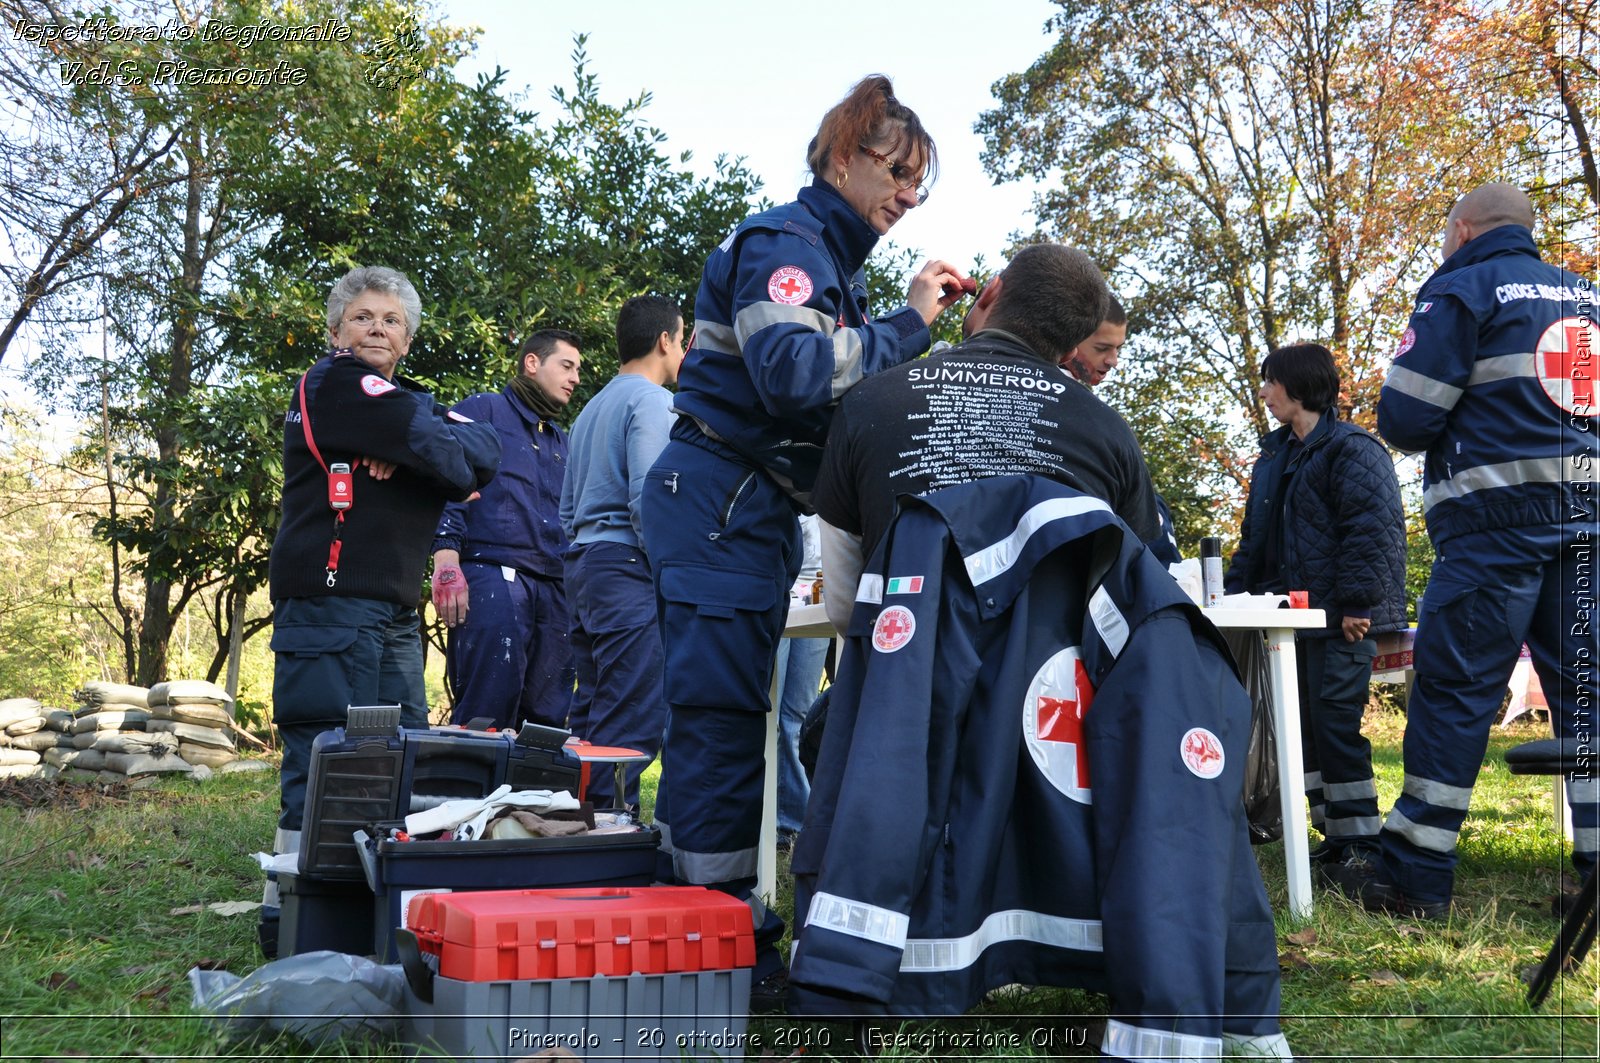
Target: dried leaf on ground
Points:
(1308, 936)
(1385, 977)
(59, 980)
(1294, 959)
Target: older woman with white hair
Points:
(348, 562)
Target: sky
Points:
(755, 80)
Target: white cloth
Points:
(468, 816)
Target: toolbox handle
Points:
(540, 736)
(419, 976)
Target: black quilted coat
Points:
(1344, 536)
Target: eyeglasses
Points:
(903, 176)
(362, 319)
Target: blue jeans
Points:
(616, 647)
(330, 654)
(800, 664)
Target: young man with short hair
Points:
(616, 640)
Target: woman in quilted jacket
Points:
(1324, 516)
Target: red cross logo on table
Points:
(790, 285)
(1565, 363)
(1052, 723)
(893, 629)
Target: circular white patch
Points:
(790, 285)
(375, 385)
(1565, 361)
(1202, 753)
(894, 629)
(1052, 723)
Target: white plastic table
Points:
(1277, 627)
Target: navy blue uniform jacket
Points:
(1031, 773)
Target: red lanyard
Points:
(338, 514)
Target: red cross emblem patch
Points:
(1052, 723)
(790, 285)
(1202, 753)
(894, 629)
(375, 385)
(1565, 363)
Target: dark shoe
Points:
(1353, 869)
(770, 996)
(1358, 877)
(1379, 896)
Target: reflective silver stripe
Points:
(925, 955)
(1509, 474)
(858, 919)
(715, 337)
(666, 837)
(758, 910)
(1423, 388)
(1137, 1044)
(1434, 838)
(1353, 827)
(757, 316)
(870, 589)
(1586, 839)
(1584, 791)
(704, 869)
(1272, 1046)
(1502, 367)
(1349, 791)
(286, 841)
(994, 560)
(847, 352)
(1313, 780)
(1108, 620)
(1441, 795)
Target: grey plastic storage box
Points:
(701, 1015)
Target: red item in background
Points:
(1299, 600)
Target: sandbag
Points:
(111, 720)
(202, 714)
(210, 756)
(196, 735)
(100, 693)
(136, 764)
(188, 692)
(244, 765)
(25, 771)
(14, 709)
(126, 742)
(11, 756)
(59, 719)
(40, 740)
(25, 726)
(91, 760)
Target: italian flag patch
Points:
(904, 585)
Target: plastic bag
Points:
(317, 996)
(1262, 806)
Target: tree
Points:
(1254, 173)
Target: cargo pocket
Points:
(317, 673)
(1460, 631)
(719, 634)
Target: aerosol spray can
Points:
(1210, 571)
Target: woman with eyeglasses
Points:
(347, 564)
(781, 332)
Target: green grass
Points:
(93, 962)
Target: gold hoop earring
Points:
(843, 178)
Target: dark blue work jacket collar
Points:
(846, 233)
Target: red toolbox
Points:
(586, 969)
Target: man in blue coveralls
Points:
(508, 660)
(1494, 380)
(616, 643)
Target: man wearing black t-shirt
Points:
(997, 404)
